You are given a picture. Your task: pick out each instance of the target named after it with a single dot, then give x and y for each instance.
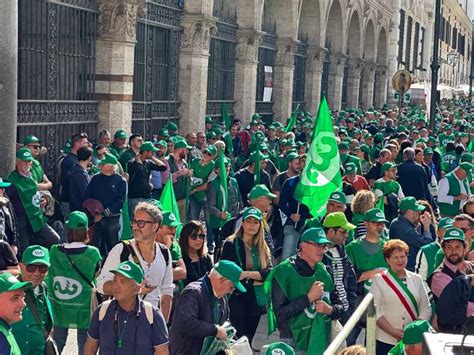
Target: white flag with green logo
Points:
(321, 175)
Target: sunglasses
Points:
(141, 223)
(43, 269)
(208, 153)
(35, 146)
(196, 236)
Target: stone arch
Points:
(382, 57)
(354, 36)
(370, 53)
(335, 29)
(285, 13)
(310, 21)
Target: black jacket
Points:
(78, 181)
(139, 185)
(193, 318)
(412, 179)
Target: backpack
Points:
(146, 306)
(128, 249)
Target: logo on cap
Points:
(26, 154)
(379, 214)
(277, 352)
(125, 268)
(336, 196)
(455, 233)
(12, 279)
(172, 217)
(38, 253)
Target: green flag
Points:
(225, 116)
(223, 181)
(380, 204)
(321, 175)
(169, 203)
(292, 122)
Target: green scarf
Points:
(30, 198)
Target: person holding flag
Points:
(303, 300)
(223, 199)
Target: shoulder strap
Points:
(89, 282)
(147, 306)
(166, 253)
(30, 300)
(127, 251)
(103, 309)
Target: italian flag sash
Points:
(403, 293)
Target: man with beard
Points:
(293, 161)
(448, 284)
(135, 142)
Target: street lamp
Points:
(435, 65)
(452, 61)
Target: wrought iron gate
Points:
(221, 71)
(300, 73)
(56, 71)
(155, 77)
(266, 58)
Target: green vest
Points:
(310, 329)
(430, 250)
(70, 294)
(37, 171)
(28, 333)
(113, 149)
(30, 198)
(214, 221)
(6, 330)
(454, 189)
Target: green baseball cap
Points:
(409, 203)
(172, 126)
(453, 233)
(231, 271)
(338, 219)
(24, 154)
(338, 196)
(4, 184)
(259, 191)
(291, 156)
(8, 282)
(279, 348)
(77, 220)
(120, 134)
(211, 149)
(343, 146)
(254, 155)
(218, 130)
(169, 219)
(413, 333)
(387, 166)
(466, 158)
(432, 139)
(209, 119)
(211, 135)
(148, 147)
(161, 143)
(67, 146)
(467, 167)
(31, 139)
(108, 159)
(252, 212)
(130, 270)
(254, 123)
(428, 151)
(182, 144)
(365, 148)
(315, 235)
(35, 254)
(445, 222)
(350, 168)
(163, 132)
(375, 215)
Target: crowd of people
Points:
(97, 248)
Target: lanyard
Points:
(119, 336)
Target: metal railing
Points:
(366, 304)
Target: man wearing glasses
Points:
(34, 144)
(154, 259)
(28, 332)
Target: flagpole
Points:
(297, 212)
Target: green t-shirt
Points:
(383, 188)
(37, 171)
(201, 172)
(175, 251)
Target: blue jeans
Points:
(291, 237)
(60, 337)
(195, 207)
(106, 234)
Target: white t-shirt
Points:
(157, 274)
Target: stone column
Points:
(314, 72)
(193, 67)
(353, 83)
(336, 76)
(114, 69)
(283, 79)
(8, 83)
(368, 86)
(246, 62)
(381, 87)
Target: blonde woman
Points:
(248, 249)
(363, 201)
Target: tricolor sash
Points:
(403, 293)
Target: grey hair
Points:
(409, 153)
(215, 274)
(152, 210)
